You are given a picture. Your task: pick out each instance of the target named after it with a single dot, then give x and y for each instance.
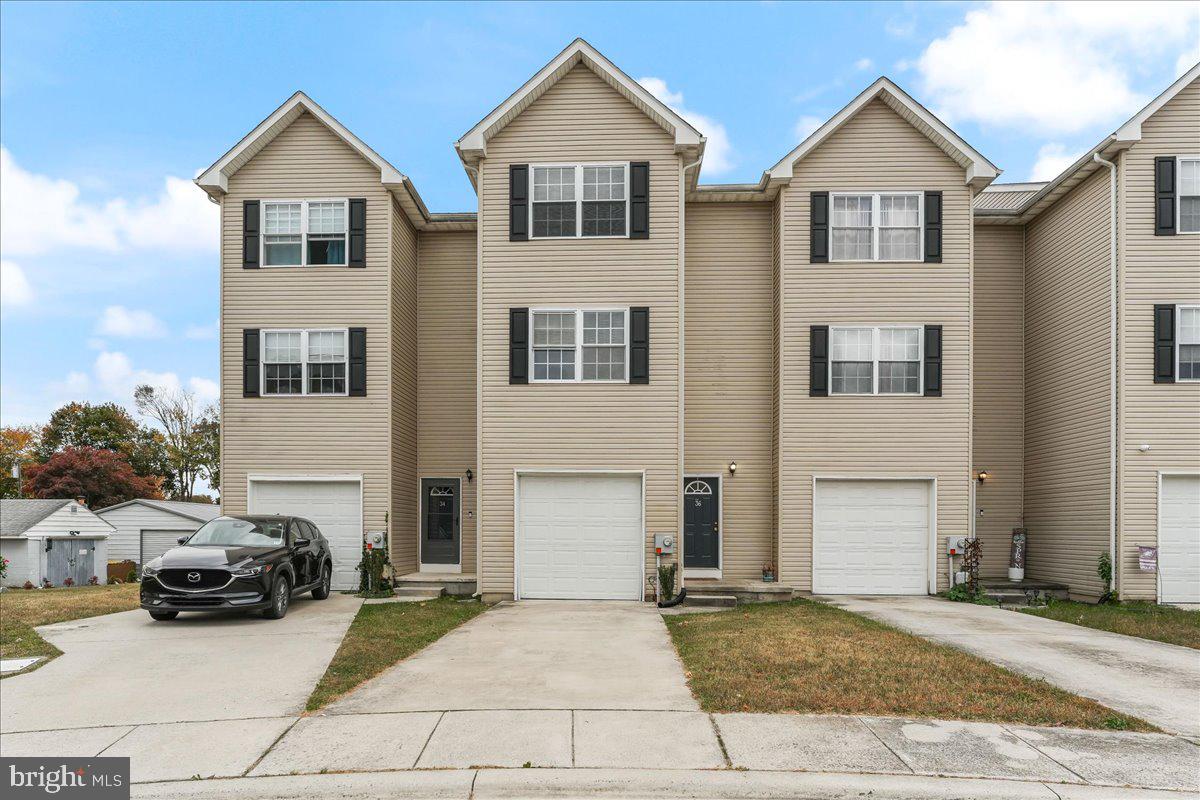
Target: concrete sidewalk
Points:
(1157, 682)
(708, 747)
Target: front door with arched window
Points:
(702, 523)
(439, 521)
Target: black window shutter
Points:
(818, 361)
(818, 242)
(518, 202)
(1164, 196)
(358, 233)
(250, 229)
(933, 227)
(933, 361)
(358, 362)
(639, 200)
(250, 362)
(1164, 344)
(518, 345)
(639, 344)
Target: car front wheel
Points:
(163, 616)
(322, 591)
(281, 595)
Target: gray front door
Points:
(701, 523)
(71, 558)
(439, 520)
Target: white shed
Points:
(145, 529)
(52, 540)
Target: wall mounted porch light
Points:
(983, 475)
(470, 475)
(732, 467)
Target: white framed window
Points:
(876, 226)
(1188, 201)
(579, 201)
(876, 360)
(576, 345)
(304, 362)
(1187, 343)
(304, 233)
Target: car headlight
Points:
(257, 569)
(149, 571)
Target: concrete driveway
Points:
(126, 669)
(1157, 682)
(538, 654)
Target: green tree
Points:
(208, 436)
(108, 426)
(18, 445)
(186, 429)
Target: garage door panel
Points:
(1179, 539)
(334, 506)
(155, 543)
(871, 537)
(580, 536)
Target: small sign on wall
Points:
(1148, 559)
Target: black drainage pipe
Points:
(674, 601)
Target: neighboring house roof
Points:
(18, 516)
(980, 171)
(200, 512)
(215, 179)
(1121, 139)
(1006, 196)
(473, 145)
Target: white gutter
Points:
(682, 463)
(1112, 364)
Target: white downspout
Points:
(1112, 365)
(682, 462)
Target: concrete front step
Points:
(1023, 593)
(429, 592)
(454, 584)
(711, 600)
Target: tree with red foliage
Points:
(102, 477)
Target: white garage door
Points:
(1179, 539)
(155, 543)
(871, 537)
(335, 507)
(580, 537)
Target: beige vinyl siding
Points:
(306, 435)
(873, 436)
(999, 389)
(446, 365)
(1157, 269)
(578, 426)
(1067, 384)
(729, 373)
(402, 350)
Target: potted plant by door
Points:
(768, 573)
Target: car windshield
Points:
(227, 532)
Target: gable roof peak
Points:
(472, 146)
(979, 170)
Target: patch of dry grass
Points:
(1145, 620)
(385, 633)
(22, 610)
(808, 657)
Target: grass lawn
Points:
(1145, 620)
(22, 610)
(809, 657)
(383, 634)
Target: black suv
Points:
(249, 563)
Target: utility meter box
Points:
(664, 543)
(374, 540)
(955, 545)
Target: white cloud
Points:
(1051, 67)
(14, 286)
(718, 152)
(206, 391)
(863, 63)
(203, 332)
(806, 125)
(1052, 159)
(130, 324)
(42, 214)
(116, 376)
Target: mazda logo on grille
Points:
(194, 577)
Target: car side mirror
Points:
(303, 542)
(183, 539)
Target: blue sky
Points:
(108, 111)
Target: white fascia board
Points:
(1131, 131)
(980, 170)
(474, 141)
(215, 179)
